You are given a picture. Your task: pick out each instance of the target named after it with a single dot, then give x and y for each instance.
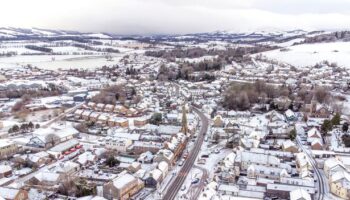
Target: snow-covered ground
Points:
(63, 62)
(310, 54)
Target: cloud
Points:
(180, 16)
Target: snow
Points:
(99, 35)
(61, 61)
(310, 54)
(123, 180)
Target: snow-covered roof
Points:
(5, 168)
(123, 180)
(163, 166)
(47, 176)
(288, 143)
(8, 193)
(314, 133)
(298, 194)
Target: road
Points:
(181, 176)
(196, 190)
(321, 179)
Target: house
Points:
(78, 113)
(67, 168)
(260, 171)
(109, 108)
(154, 178)
(146, 157)
(103, 118)
(319, 111)
(218, 121)
(122, 187)
(283, 190)
(7, 148)
(5, 171)
(299, 194)
(177, 144)
(86, 115)
(316, 144)
(141, 121)
(92, 105)
(302, 162)
(13, 194)
(164, 168)
(94, 116)
(118, 121)
(313, 134)
(165, 155)
(120, 109)
(120, 144)
(246, 158)
(45, 179)
(290, 115)
(340, 184)
(139, 147)
(231, 190)
(100, 107)
(39, 158)
(289, 146)
(134, 167)
(86, 158)
(333, 165)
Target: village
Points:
(252, 128)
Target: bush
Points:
(111, 161)
(346, 140)
(156, 119)
(292, 134)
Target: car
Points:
(195, 181)
(185, 155)
(217, 151)
(181, 162)
(183, 188)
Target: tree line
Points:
(241, 96)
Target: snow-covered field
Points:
(310, 54)
(63, 62)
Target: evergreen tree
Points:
(345, 127)
(336, 119)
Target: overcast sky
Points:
(176, 16)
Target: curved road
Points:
(321, 181)
(181, 176)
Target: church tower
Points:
(184, 128)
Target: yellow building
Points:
(218, 121)
(7, 148)
(123, 187)
(340, 184)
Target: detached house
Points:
(313, 134)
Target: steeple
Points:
(184, 128)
